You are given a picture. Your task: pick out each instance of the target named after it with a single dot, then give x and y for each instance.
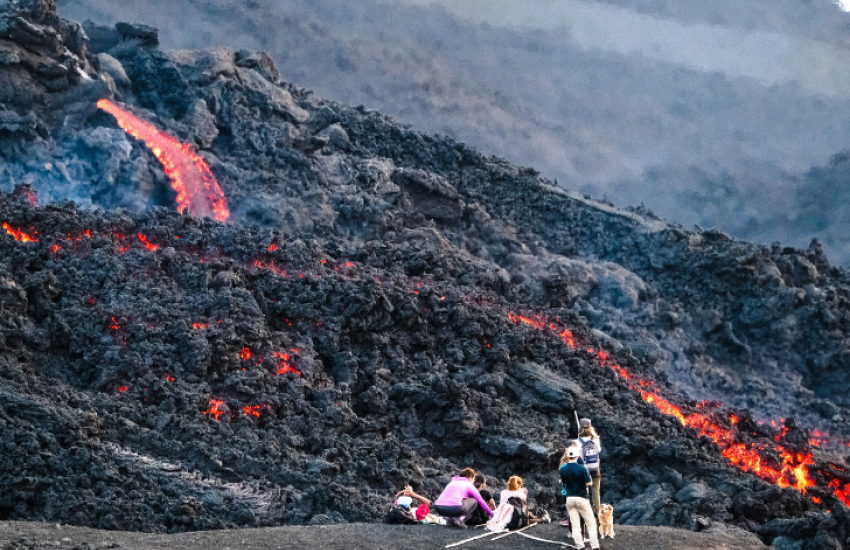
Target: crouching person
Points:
(460, 500)
(576, 480)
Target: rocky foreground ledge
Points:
(16, 535)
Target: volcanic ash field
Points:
(264, 308)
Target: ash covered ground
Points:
(381, 308)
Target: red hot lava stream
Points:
(793, 471)
(196, 186)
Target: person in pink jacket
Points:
(460, 499)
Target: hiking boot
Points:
(457, 522)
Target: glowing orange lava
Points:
(20, 235)
(245, 354)
(199, 326)
(255, 410)
(196, 186)
(214, 409)
(148, 245)
(283, 364)
(793, 471)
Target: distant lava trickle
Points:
(196, 186)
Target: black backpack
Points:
(400, 515)
(519, 518)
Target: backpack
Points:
(400, 515)
(590, 454)
(519, 518)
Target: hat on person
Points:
(404, 501)
(584, 423)
(573, 452)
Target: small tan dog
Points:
(606, 521)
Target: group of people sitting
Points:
(467, 501)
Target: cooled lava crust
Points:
(382, 307)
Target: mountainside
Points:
(710, 113)
(374, 306)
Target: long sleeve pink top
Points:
(459, 489)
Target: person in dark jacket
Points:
(576, 480)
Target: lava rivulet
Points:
(794, 468)
(196, 186)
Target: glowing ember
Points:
(246, 354)
(214, 409)
(271, 266)
(255, 410)
(115, 325)
(200, 326)
(283, 364)
(122, 389)
(196, 186)
(148, 245)
(20, 235)
(169, 378)
(55, 248)
(272, 247)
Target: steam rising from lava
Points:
(196, 186)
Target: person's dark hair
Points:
(467, 472)
(480, 480)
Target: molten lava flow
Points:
(245, 354)
(792, 472)
(196, 186)
(20, 235)
(272, 247)
(122, 389)
(169, 378)
(200, 326)
(214, 409)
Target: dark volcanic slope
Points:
(349, 329)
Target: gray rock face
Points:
(354, 326)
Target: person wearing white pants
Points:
(576, 480)
(579, 506)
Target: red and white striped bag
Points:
(501, 518)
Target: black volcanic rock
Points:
(349, 330)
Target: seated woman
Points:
(460, 499)
(515, 489)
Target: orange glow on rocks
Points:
(196, 186)
(245, 354)
(122, 389)
(148, 245)
(20, 235)
(283, 363)
(214, 409)
(255, 410)
(200, 326)
(272, 247)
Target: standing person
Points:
(460, 499)
(480, 517)
(590, 449)
(576, 480)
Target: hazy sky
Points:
(770, 58)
